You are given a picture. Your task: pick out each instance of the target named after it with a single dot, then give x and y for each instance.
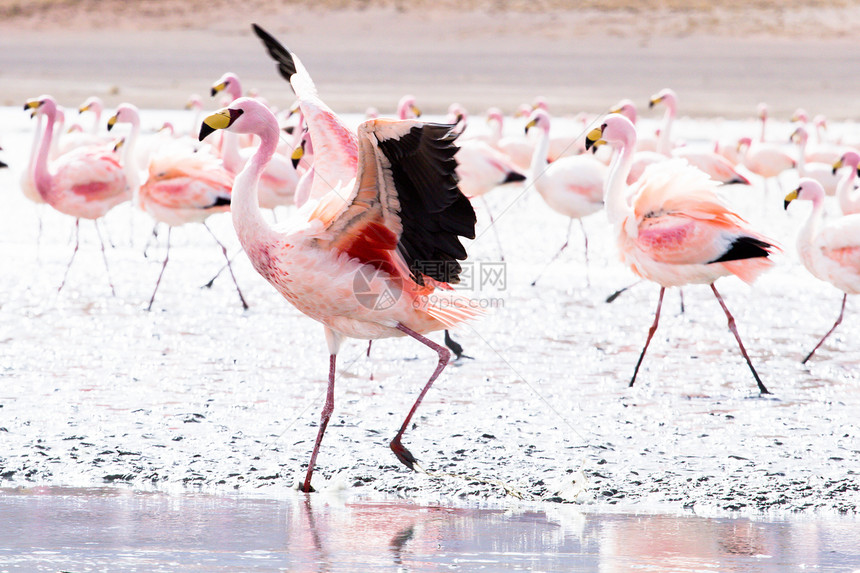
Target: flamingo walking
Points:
(673, 228)
(182, 187)
(571, 185)
(360, 263)
(85, 183)
(831, 252)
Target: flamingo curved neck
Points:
(248, 220)
(615, 194)
(129, 161)
(41, 175)
(665, 141)
(849, 200)
(539, 157)
(809, 230)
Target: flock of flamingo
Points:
(394, 195)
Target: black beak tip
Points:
(110, 126)
(205, 130)
(295, 163)
(212, 92)
(785, 205)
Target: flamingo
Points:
(627, 108)
(182, 187)
(676, 230)
(571, 186)
(518, 149)
(402, 212)
(821, 172)
(848, 197)
(85, 183)
(764, 159)
(830, 252)
(715, 165)
(406, 108)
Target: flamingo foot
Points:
(405, 456)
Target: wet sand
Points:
(721, 62)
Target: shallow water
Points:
(199, 394)
(81, 530)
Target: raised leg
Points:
(75, 252)
(404, 455)
(734, 330)
(328, 408)
(651, 332)
(829, 332)
(163, 266)
(104, 257)
(229, 266)
(560, 251)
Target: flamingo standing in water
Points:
(182, 187)
(85, 183)
(359, 264)
(830, 252)
(571, 185)
(676, 230)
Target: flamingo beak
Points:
(594, 139)
(530, 125)
(219, 120)
(218, 88)
(836, 166)
(297, 155)
(111, 122)
(790, 197)
(416, 111)
(654, 101)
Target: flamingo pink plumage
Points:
(831, 252)
(402, 208)
(673, 228)
(85, 183)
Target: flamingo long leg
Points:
(163, 266)
(829, 332)
(734, 330)
(328, 408)
(229, 266)
(651, 332)
(404, 455)
(75, 252)
(585, 238)
(221, 270)
(104, 257)
(493, 226)
(616, 294)
(560, 251)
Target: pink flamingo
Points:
(830, 252)
(356, 264)
(715, 165)
(182, 187)
(518, 149)
(571, 186)
(407, 109)
(85, 183)
(676, 230)
(848, 197)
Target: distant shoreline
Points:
(722, 62)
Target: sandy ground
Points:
(721, 61)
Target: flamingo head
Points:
(808, 189)
(244, 115)
(93, 104)
(42, 105)
(665, 96)
(304, 148)
(762, 111)
(539, 118)
(194, 102)
(125, 113)
(800, 115)
(849, 159)
(456, 114)
(616, 130)
(229, 82)
(800, 135)
(626, 108)
(406, 108)
(495, 114)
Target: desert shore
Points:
(721, 62)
